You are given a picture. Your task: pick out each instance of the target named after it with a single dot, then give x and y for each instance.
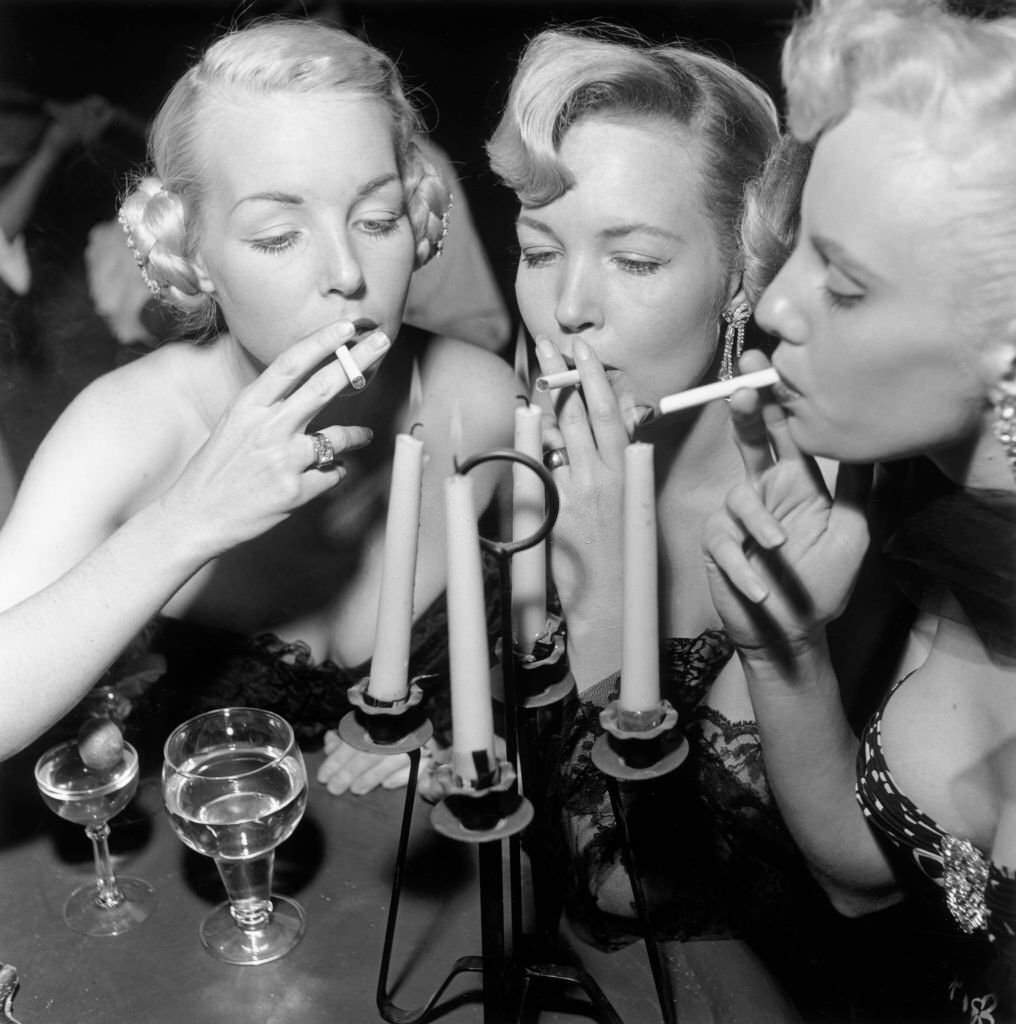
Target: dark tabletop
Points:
(338, 865)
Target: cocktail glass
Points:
(110, 905)
(235, 786)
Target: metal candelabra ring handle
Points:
(552, 504)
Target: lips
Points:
(783, 391)
(364, 326)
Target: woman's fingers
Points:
(311, 370)
(724, 547)
(310, 452)
(345, 768)
(332, 378)
(602, 409)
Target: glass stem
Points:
(249, 888)
(107, 893)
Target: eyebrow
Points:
(618, 231)
(289, 199)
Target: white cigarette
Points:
(721, 389)
(349, 366)
(564, 379)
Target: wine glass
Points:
(90, 796)
(235, 786)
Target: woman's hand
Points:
(258, 464)
(783, 554)
(586, 549)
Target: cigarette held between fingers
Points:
(721, 389)
(376, 345)
(563, 379)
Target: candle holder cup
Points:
(385, 726)
(543, 674)
(638, 746)
(478, 811)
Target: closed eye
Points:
(276, 243)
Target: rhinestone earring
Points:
(1005, 426)
(733, 338)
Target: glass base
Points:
(225, 940)
(83, 913)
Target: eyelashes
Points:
(374, 227)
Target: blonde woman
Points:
(897, 327)
(286, 207)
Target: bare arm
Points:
(97, 541)
(782, 557)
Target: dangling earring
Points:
(733, 338)
(1005, 426)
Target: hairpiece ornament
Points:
(733, 338)
(153, 286)
(445, 217)
(1005, 427)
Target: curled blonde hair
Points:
(567, 74)
(162, 213)
(955, 76)
(772, 211)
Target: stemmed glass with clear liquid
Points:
(91, 796)
(235, 786)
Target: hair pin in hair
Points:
(150, 283)
(445, 217)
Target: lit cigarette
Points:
(721, 389)
(564, 379)
(350, 368)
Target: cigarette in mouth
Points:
(564, 379)
(721, 389)
(356, 378)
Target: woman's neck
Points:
(979, 462)
(697, 447)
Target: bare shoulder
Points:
(132, 423)
(478, 383)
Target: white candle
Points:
(472, 710)
(529, 567)
(640, 665)
(389, 672)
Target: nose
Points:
(579, 307)
(778, 312)
(340, 270)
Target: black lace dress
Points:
(714, 855)
(208, 667)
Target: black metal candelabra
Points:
(492, 810)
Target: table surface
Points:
(338, 865)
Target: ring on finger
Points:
(357, 381)
(324, 453)
(555, 458)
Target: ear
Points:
(734, 295)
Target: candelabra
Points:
(492, 810)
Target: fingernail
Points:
(544, 347)
(379, 341)
(773, 537)
(346, 330)
(581, 350)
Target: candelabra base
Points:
(637, 747)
